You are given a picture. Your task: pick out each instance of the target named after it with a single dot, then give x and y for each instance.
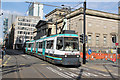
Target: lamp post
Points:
(84, 31)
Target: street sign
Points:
(113, 50)
(89, 51)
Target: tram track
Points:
(17, 69)
(53, 65)
(36, 69)
(82, 74)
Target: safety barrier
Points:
(101, 56)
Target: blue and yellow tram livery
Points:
(58, 49)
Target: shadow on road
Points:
(10, 69)
(80, 75)
(109, 73)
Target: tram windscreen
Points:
(67, 43)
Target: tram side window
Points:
(40, 44)
(50, 44)
(59, 43)
(37, 45)
(26, 45)
(32, 45)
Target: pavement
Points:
(19, 65)
(0, 65)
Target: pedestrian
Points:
(3, 52)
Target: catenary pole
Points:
(84, 30)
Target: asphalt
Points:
(19, 65)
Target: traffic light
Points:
(81, 38)
(114, 39)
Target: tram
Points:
(57, 49)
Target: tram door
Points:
(43, 49)
(36, 47)
(31, 47)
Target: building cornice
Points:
(88, 12)
(54, 11)
(42, 22)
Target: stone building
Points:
(44, 28)
(100, 26)
(22, 30)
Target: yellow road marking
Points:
(22, 64)
(6, 61)
(5, 56)
(43, 64)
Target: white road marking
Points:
(58, 72)
(71, 74)
(22, 55)
(102, 74)
(115, 74)
(73, 68)
(59, 68)
(87, 74)
(26, 56)
(85, 68)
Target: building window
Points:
(113, 38)
(89, 39)
(19, 19)
(97, 39)
(28, 33)
(104, 40)
(20, 32)
(50, 20)
(20, 23)
(22, 28)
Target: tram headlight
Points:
(77, 55)
(65, 55)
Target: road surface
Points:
(19, 65)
